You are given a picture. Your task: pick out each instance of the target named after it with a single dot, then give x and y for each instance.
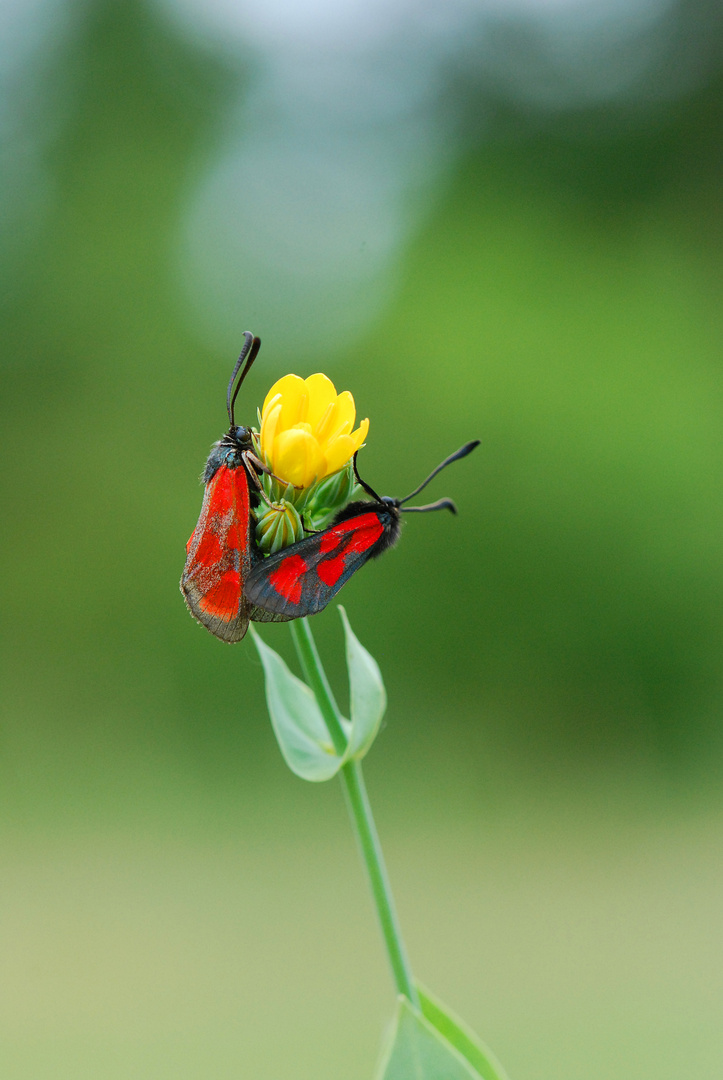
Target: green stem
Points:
(317, 680)
(360, 812)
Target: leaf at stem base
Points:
(434, 1045)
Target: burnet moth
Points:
(303, 578)
(222, 550)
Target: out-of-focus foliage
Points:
(562, 303)
(548, 279)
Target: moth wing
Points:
(303, 578)
(257, 614)
(218, 556)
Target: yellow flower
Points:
(306, 429)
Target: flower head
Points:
(306, 429)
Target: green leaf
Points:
(298, 722)
(417, 1051)
(434, 1045)
(368, 698)
(299, 727)
(456, 1032)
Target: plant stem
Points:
(360, 811)
(316, 678)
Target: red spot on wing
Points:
(331, 540)
(331, 570)
(286, 578)
(368, 530)
(222, 599)
(360, 532)
(209, 550)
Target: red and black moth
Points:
(303, 578)
(222, 550)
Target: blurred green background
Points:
(491, 220)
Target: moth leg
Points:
(253, 475)
(256, 465)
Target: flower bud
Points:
(277, 526)
(330, 495)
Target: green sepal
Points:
(297, 720)
(329, 496)
(434, 1045)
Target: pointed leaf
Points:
(299, 727)
(456, 1032)
(417, 1051)
(367, 695)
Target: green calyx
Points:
(288, 514)
(330, 495)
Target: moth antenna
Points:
(251, 349)
(462, 452)
(440, 504)
(363, 483)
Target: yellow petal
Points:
(322, 393)
(361, 433)
(339, 421)
(269, 424)
(338, 453)
(297, 457)
(321, 426)
(277, 389)
(293, 400)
